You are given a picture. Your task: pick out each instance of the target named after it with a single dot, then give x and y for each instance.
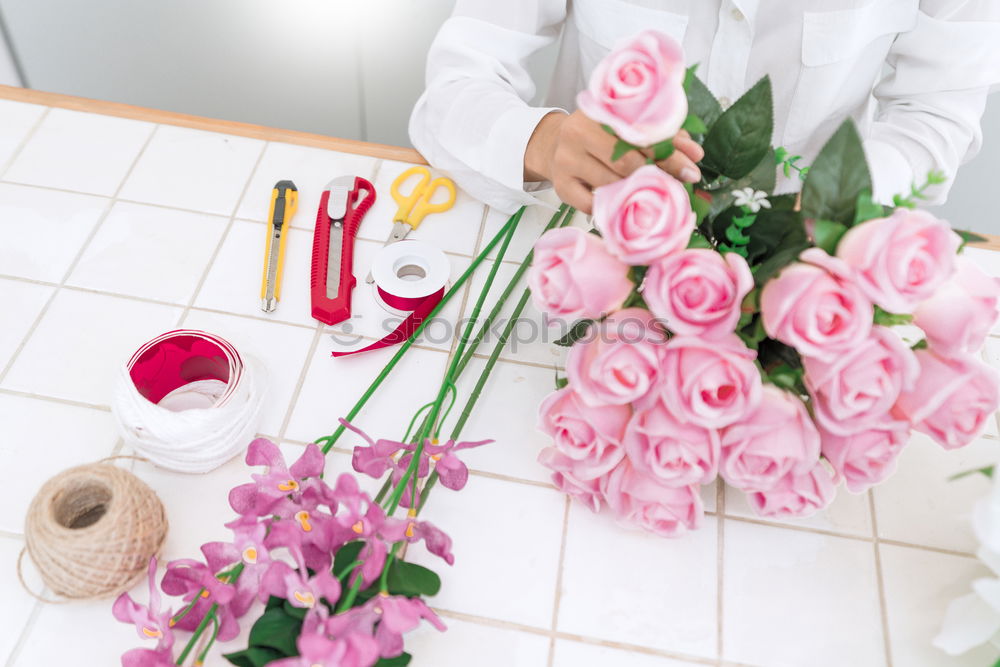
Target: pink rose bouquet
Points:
(725, 333)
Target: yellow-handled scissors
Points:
(413, 207)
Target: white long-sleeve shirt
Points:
(914, 75)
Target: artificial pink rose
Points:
(674, 453)
(698, 292)
(796, 494)
(959, 315)
(644, 217)
(815, 306)
(899, 261)
(573, 276)
(639, 500)
(866, 458)
(589, 437)
(953, 399)
(587, 491)
(638, 89)
(709, 383)
(777, 438)
(619, 362)
(858, 388)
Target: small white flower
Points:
(752, 199)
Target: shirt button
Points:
(736, 14)
(724, 102)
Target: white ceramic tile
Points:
(920, 505)
(506, 412)
(785, 593)
(192, 169)
(506, 545)
(372, 320)
(281, 350)
(532, 339)
(530, 227)
(454, 230)
(848, 513)
(310, 169)
(17, 603)
(465, 643)
(150, 252)
(987, 260)
(81, 342)
(918, 587)
(638, 588)
(577, 654)
(333, 386)
(41, 438)
(22, 303)
(80, 151)
(16, 121)
(233, 281)
(44, 230)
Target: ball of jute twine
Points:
(91, 531)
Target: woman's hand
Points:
(574, 153)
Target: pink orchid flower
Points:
(394, 615)
(150, 621)
(283, 488)
(247, 548)
(194, 581)
(354, 650)
(146, 657)
(296, 586)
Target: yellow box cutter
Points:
(284, 201)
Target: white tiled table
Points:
(113, 230)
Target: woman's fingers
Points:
(691, 148)
(573, 192)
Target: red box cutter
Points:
(340, 212)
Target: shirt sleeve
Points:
(474, 120)
(930, 104)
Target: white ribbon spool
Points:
(191, 411)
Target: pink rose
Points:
(674, 453)
(698, 292)
(859, 387)
(638, 89)
(620, 362)
(795, 495)
(953, 399)
(573, 275)
(959, 315)
(709, 383)
(776, 439)
(587, 492)
(590, 438)
(645, 216)
(899, 261)
(639, 500)
(866, 458)
(815, 306)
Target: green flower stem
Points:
(347, 570)
(352, 594)
(231, 575)
(200, 660)
(197, 633)
(331, 439)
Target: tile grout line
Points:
(24, 142)
(225, 234)
(720, 510)
(55, 399)
(306, 365)
(879, 580)
(557, 599)
(76, 260)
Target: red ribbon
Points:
(420, 308)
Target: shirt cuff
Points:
(891, 172)
(505, 147)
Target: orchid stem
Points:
(197, 633)
(352, 594)
(200, 660)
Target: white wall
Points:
(8, 72)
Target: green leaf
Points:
(773, 264)
(621, 147)
(763, 177)
(697, 240)
(827, 234)
(838, 175)
(987, 471)
(694, 125)
(970, 237)
(736, 237)
(254, 656)
(787, 377)
(662, 150)
(298, 612)
(920, 345)
(775, 230)
(741, 136)
(276, 629)
(866, 209)
(410, 579)
(701, 102)
(610, 130)
(399, 661)
(886, 319)
(346, 555)
(561, 383)
(576, 332)
(753, 334)
(700, 206)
